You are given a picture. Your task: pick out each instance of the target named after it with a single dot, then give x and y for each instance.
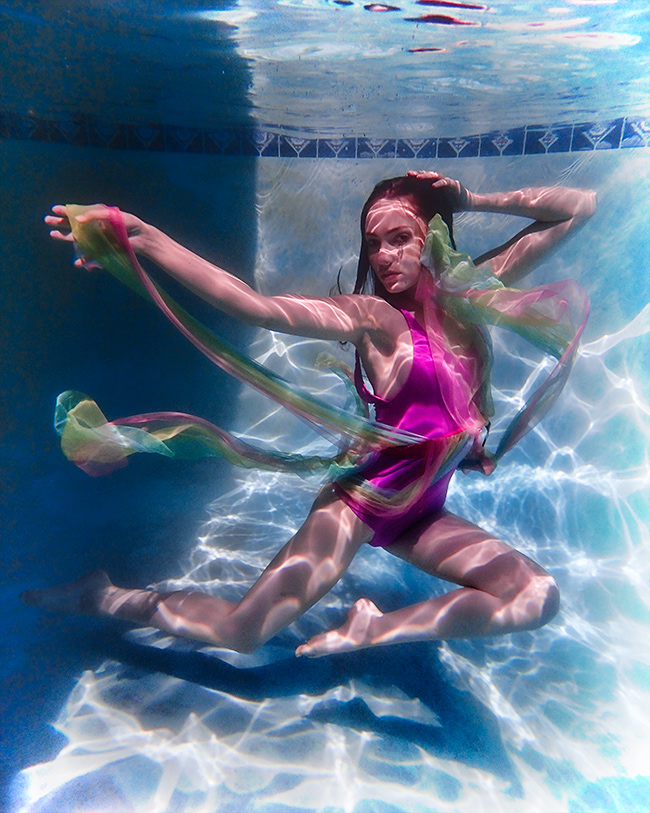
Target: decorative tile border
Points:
(529, 140)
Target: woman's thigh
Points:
(306, 568)
(451, 548)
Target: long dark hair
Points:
(425, 201)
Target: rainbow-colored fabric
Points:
(551, 317)
(468, 298)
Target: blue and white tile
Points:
(636, 133)
(375, 147)
(597, 136)
(106, 134)
(222, 142)
(467, 147)
(510, 142)
(550, 138)
(184, 139)
(148, 137)
(337, 148)
(294, 147)
(425, 148)
(261, 143)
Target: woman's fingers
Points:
(429, 175)
(424, 175)
(59, 224)
(96, 212)
(459, 197)
(58, 216)
(439, 180)
(59, 235)
(60, 229)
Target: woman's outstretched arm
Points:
(344, 318)
(557, 212)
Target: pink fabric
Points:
(418, 407)
(459, 356)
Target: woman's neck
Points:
(414, 299)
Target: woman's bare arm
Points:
(341, 318)
(557, 212)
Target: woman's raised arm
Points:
(341, 318)
(557, 212)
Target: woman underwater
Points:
(425, 367)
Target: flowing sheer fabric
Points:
(460, 303)
(99, 446)
(461, 300)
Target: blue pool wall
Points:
(64, 328)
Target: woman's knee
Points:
(249, 626)
(239, 631)
(541, 599)
(529, 593)
(551, 599)
(210, 619)
(537, 592)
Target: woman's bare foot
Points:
(354, 634)
(83, 597)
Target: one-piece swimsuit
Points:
(418, 407)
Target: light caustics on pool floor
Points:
(555, 720)
(568, 703)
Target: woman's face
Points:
(395, 235)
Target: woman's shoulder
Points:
(367, 302)
(374, 309)
(382, 324)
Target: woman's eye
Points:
(400, 239)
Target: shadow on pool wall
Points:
(65, 328)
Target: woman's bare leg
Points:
(302, 572)
(502, 591)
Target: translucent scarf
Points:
(461, 300)
(461, 303)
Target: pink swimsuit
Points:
(418, 407)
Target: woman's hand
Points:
(459, 197)
(58, 220)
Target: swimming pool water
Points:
(555, 720)
(447, 69)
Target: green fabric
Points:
(474, 297)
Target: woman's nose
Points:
(386, 254)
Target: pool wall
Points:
(63, 328)
(556, 719)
